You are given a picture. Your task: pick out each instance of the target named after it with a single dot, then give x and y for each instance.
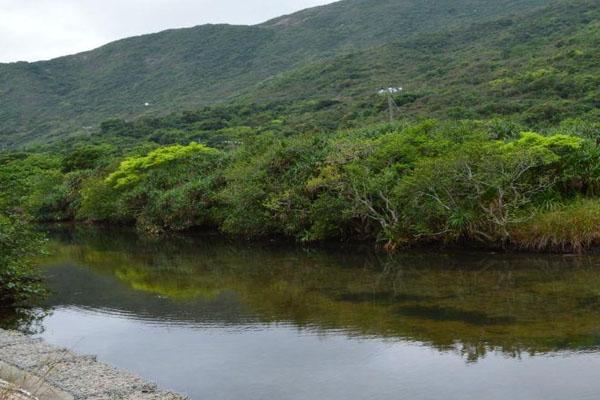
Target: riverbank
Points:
(50, 373)
(574, 243)
(397, 186)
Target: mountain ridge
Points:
(215, 63)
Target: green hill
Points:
(541, 66)
(213, 63)
(445, 52)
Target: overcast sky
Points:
(32, 30)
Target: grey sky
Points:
(32, 30)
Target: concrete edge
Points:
(52, 373)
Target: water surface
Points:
(220, 320)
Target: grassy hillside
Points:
(189, 68)
(540, 67)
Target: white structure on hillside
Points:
(390, 90)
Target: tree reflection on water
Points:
(471, 303)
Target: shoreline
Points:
(49, 372)
(462, 245)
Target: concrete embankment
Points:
(31, 367)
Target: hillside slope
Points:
(188, 68)
(541, 66)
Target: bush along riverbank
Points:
(494, 183)
(20, 284)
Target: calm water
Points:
(219, 320)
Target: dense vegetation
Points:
(532, 60)
(20, 286)
(511, 160)
(490, 182)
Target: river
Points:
(217, 319)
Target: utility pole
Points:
(389, 92)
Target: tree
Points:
(20, 286)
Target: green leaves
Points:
(547, 149)
(131, 170)
(20, 285)
(396, 184)
(171, 187)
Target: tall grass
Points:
(572, 228)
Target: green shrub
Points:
(20, 285)
(396, 184)
(99, 202)
(170, 188)
(480, 189)
(572, 227)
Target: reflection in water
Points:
(24, 320)
(273, 322)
